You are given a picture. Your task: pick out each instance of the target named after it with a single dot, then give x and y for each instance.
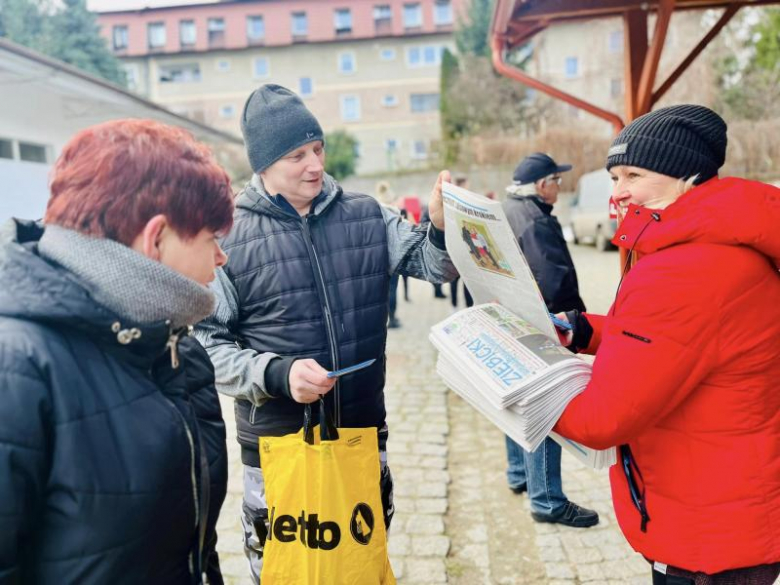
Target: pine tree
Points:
(471, 36)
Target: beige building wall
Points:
(387, 98)
(586, 59)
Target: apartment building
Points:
(370, 67)
(586, 59)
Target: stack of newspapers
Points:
(515, 376)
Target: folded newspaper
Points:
(503, 356)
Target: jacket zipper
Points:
(328, 315)
(173, 345)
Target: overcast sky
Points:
(105, 5)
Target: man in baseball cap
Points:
(529, 205)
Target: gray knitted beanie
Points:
(678, 141)
(274, 122)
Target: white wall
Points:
(24, 190)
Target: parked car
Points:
(592, 217)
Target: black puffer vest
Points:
(312, 287)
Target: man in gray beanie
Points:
(305, 291)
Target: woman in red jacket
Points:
(686, 380)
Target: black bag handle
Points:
(328, 431)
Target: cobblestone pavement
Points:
(456, 522)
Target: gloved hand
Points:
(581, 331)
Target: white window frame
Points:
(392, 102)
(300, 87)
(190, 24)
(352, 60)
(125, 37)
(295, 32)
(409, 50)
(131, 74)
(343, 107)
(424, 97)
(419, 155)
(194, 73)
(339, 27)
(222, 65)
(392, 145)
(163, 35)
(576, 73)
(267, 73)
(387, 54)
(615, 41)
(249, 31)
(418, 22)
(382, 16)
(442, 18)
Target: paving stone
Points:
(430, 546)
(398, 544)
(425, 524)
(431, 505)
(425, 571)
(590, 572)
(559, 571)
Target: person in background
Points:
(305, 291)
(528, 207)
(113, 463)
(687, 361)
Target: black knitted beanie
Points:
(678, 141)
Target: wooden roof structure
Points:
(514, 22)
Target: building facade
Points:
(369, 67)
(586, 59)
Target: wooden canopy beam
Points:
(514, 73)
(727, 15)
(653, 57)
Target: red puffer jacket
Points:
(687, 373)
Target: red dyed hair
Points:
(111, 179)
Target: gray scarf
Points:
(126, 282)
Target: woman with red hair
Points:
(112, 444)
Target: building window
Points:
(120, 38)
(6, 149)
(347, 62)
(391, 145)
(216, 29)
(424, 102)
(616, 41)
(572, 67)
(187, 73)
(155, 32)
(305, 87)
(187, 33)
(426, 55)
(350, 108)
(390, 100)
(255, 28)
(616, 87)
(383, 18)
(387, 54)
(37, 153)
(342, 21)
(413, 15)
(131, 76)
(227, 111)
(300, 24)
(442, 12)
(223, 65)
(419, 149)
(260, 67)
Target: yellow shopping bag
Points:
(324, 507)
